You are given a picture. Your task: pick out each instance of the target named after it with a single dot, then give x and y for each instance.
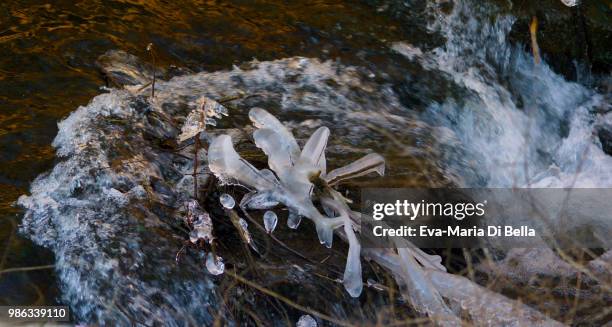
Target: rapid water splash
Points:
(521, 124)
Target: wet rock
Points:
(115, 234)
(574, 40)
(122, 68)
(605, 137)
(604, 132)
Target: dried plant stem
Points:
(281, 243)
(152, 52)
(286, 300)
(22, 269)
(196, 146)
(533, 30)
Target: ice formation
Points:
(201, 222)
(306, 321)
(214, 264)
(296, 171)
(205, 113)
(108, 209)
(270, 220)
(227, 201)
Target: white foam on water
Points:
(512, 124)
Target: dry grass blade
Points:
(287, 301)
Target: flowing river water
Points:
(447, 92)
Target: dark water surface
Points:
(47, 69)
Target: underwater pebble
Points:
(270, 219)
(306, 321)
(227, 201)
(214, 264)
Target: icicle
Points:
(372, 162)
(214, 264)
(325, 233)
(352, 271)
(294, 219)
(270, 219)
(227, 201)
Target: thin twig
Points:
(281, 243)
(298, 306)
(195, 166)
(152, 52)
(22, 269)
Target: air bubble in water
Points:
(306, 321)
(214, 264)
(227, 201)
(270, 219)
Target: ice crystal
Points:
(205, 113)
(201, 222)
(270, 219)
(227, 201)
(306, 321)
(214, 264)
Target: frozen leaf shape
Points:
(314, 149)
(211, 107)
(279, 160)
(227, 165)
(370, 163)
(270, 220)
(194, 124)
(196, 121)
(276, 141)
(214, 264)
